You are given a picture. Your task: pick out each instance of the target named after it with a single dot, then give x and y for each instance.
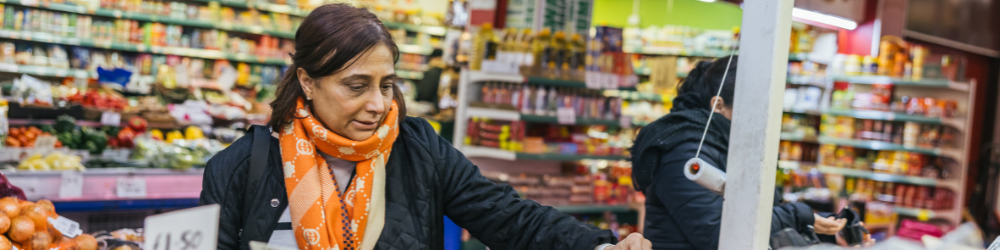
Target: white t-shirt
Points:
(342, 172)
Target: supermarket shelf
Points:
(45, 71)
(593, 209)
(795, 164)
(798, 56)
(556, 82)
(788, 136)
(269, 7)
(958, 123)
(483, 76)
(117, 205)
(865, 174)
(805, 81)
(28, 122)
(569, 157)
(198, 53)
(495, 114)
(935, 83)
(668, 52)
(633, 95)
(414, 49)
(802, 111)
(682, 74)
(432, 30)
(476, 151)
(642, 71)
(877, 145)
(407, 74)
(99, 184)
(510, 115)
(925, 214)
(579, 120)
(151, 18)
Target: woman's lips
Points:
(363, 125)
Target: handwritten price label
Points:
(188, 229)
(566, 115)
(111, 119)
(70, 185)
(131, 187)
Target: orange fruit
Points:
(25, 203)
(10, 206)
(21, 229)
(86, 242)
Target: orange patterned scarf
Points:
(322, 217)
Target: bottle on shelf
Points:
(484, 46)
(556, 50)
(524, 48)
(538, 48)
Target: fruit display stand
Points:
(111, 189)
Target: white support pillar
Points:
(753, 141)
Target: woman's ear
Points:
(718, 104)
(306, 82)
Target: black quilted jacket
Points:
(426, 178)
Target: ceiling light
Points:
(824, 18)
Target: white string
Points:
(715, 101)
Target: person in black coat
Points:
(343, 70)
(680, 214)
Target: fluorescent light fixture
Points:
(824, 18)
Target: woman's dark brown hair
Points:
(325, 43)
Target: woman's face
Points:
(354, 101)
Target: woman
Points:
(681, 214)
(346, 169)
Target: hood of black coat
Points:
(684, 124)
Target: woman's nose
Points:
(376, 104)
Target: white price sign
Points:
(111, 119)
(131, 187)
(67, 227)
(625, 121)
(45, 142)
(593, 80)
(70, 185)
(566, 115)
(610, 81)
(188, 229)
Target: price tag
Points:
(70, 185)
(80, 74)
(45, 142)
(188, 229)
(111, 119)
(117, 13)
(29, 2)
(610, 81)
(131, 187)
(109, 154)
(592, 80)
(566, 115)
(67, 227)
(923, 214)
(625, 121)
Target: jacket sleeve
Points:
(498, 217)
(216, 189)
(699, 211)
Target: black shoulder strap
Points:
(258, 164)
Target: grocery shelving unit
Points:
(163, 187)
(464, 112)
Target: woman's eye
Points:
(386, 87)
(357, 88)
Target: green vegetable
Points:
(92, 147)
(65, 123)
(48, 129)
